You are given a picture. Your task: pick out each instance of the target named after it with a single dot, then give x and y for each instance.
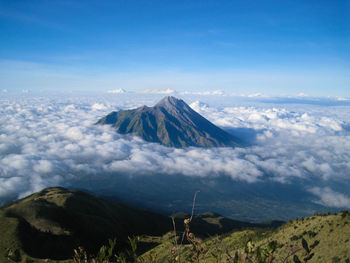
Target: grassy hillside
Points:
(49, 224)
(329, 235)
(54, 221)
(211, 223)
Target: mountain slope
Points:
(50, 223)
(170, 122)
(211, 224)
(54, 221)
(328, 236)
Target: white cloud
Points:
(204, 93)
(330, 198)
(11, 185)
(98, 106)
(255, 95)
(14, 162)
(116, 91)
(301, 94)
(330, 123)
(158, 91)
(43, 166)
(278, 119)
(45, 142)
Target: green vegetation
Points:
(322, 238)
(54, 221)
(256, 245)
(72, 226)
(49, 224)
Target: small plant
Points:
(196, 243)
(344, 213)
(29, 260)
(14, 255)
(258, 254)
(80, 255)
(106, 252)
(308, 251)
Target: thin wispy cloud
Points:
(158, 91)
(116, 91)
(51, 77)
(205, 93)
(30, 18)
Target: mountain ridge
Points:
(171, 122)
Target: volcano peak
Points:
(170, 122)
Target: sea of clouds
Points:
(49, 141)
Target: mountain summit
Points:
(170, 122)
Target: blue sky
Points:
(241, 47)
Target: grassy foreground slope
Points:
(50, 223)
(54, 221)
(331, 231)
(329, 235)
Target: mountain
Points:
(54, 221)
(171, 122)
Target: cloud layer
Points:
(46, 142)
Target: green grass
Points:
(51, 223)
(331, 231)
(54, 221)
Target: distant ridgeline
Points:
(171, 122)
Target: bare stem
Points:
(175, 237)
(291, 253)
(193, 204)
